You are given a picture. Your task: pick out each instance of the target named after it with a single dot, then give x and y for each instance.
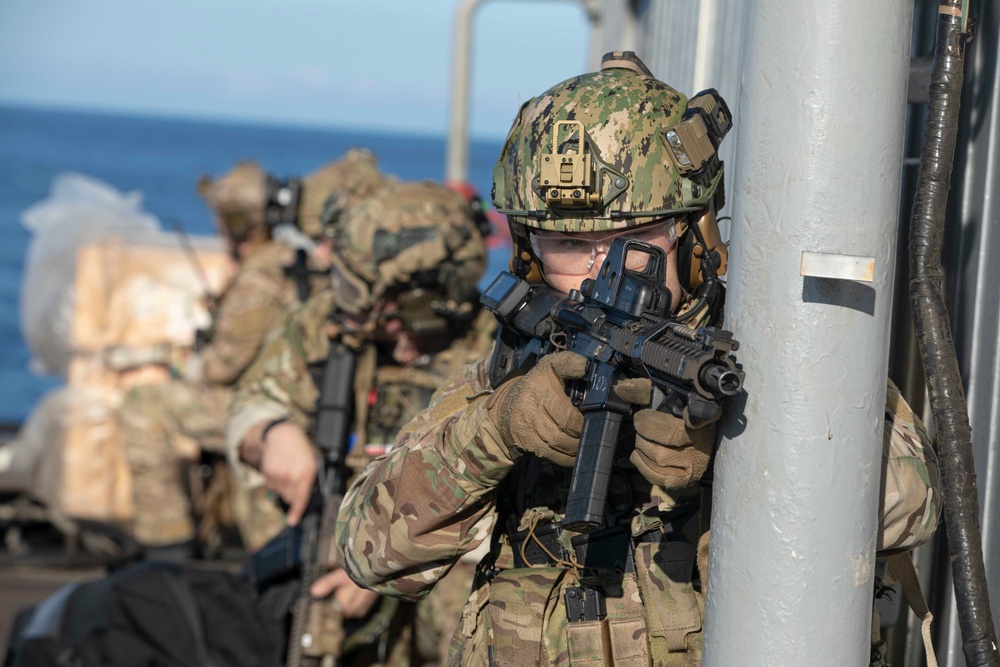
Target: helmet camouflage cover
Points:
(410, 236)
(348, 180)
(242, 192)
(623, 176)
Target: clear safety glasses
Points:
(573, 255)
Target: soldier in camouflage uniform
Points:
(341, 184)
(166, 426)
(492, 465)
(404, 269)
(334, 187)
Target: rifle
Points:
(211, 300)
(300, 272)
(619, 322)
(305, 549)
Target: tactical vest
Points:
(628, 594)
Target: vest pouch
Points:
(467, 645)
(620, 640)
(520, 605)
(665, 571)
(589, 644)
(628, 642)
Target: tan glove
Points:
(534, 414)
(668, 453)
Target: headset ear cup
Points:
(237, 228)
(708, 225)
(529, 265)
(690, 252)
(523, 262)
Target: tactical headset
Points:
(282, 201)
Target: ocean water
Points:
(163, 159)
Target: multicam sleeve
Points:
(251, 306)
(261, 398)
(279, 383)
(411, 514)
(911, 491)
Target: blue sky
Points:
(374, 64)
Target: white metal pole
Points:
(797, 477)
(456, 166)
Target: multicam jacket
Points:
(281, 383)
(248, 309)
(449, 485)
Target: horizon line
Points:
(220, 119)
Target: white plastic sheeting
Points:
(78, 210)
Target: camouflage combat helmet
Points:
(238, 198)
(342, 183)
(416, 242)
(609, 150)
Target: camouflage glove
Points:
(534, 414)
(668, 453)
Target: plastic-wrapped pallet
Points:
(109, 302)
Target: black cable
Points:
(706, 294)
(937, 349)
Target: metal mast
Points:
(797, 478)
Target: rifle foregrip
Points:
(588, 489)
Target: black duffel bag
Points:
(146, 615)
